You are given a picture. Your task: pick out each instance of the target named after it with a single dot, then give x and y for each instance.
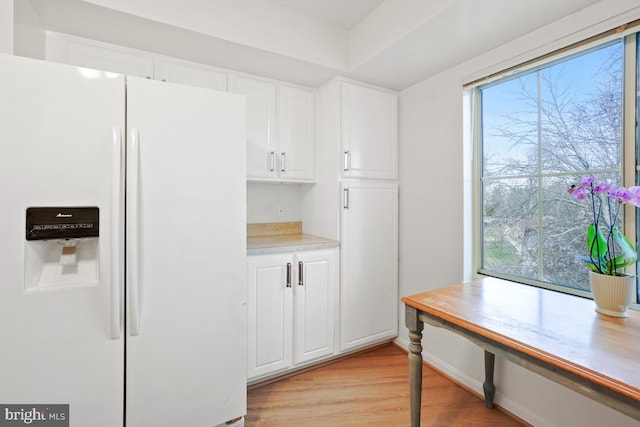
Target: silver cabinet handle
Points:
(283, 164)
(288, 275)
(347, 158)
(272, 161)
(345, 196)
(300, 273)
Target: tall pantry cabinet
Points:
(356, 181)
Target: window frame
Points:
(630, 151)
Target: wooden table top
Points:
(560, 329)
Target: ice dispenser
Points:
(61, 248)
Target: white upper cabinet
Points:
(280, 118)
(131, 62)
(280, 130)
(296, 133)
(190, 74)
(261, 125)
(369, 132)
(110, 59)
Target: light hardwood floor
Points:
(370, 389)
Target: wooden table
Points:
(556, 335)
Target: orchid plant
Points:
(609, 249)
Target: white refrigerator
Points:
(123, 248)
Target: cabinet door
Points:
(315, 301)
(369, 266)
(190, 74)
(270, 299)
(369, 132)
(261, 125)
(296, 134)
(115, 60)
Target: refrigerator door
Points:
(57, 126)
(186, 255)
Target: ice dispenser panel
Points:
(62, 223)
(61, 248)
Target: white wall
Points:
(29, 34)
(6, 26)
(273, 202)
(388, 23)
(432, 223)
(253, 23)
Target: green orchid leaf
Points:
(597, 244)
(629, 254)
(589, 263)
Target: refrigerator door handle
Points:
(117, 182)
(133, 285)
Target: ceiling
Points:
(345, 14)
(391, 43)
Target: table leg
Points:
(488, 386)
(415, 327)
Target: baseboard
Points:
(251, 385)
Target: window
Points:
(539, 131)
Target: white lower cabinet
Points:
(270, 300)
(291, 305)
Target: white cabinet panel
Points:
(360, 120)
(131, 62)
(108, 59)
(269, 301)
(279, 118)
(261, 125)
(369, 132)
(296, 133)
(369, 279)
(315, 301)
(280, 130)
(190, 74)
(291, 304)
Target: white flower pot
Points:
(612, 294)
